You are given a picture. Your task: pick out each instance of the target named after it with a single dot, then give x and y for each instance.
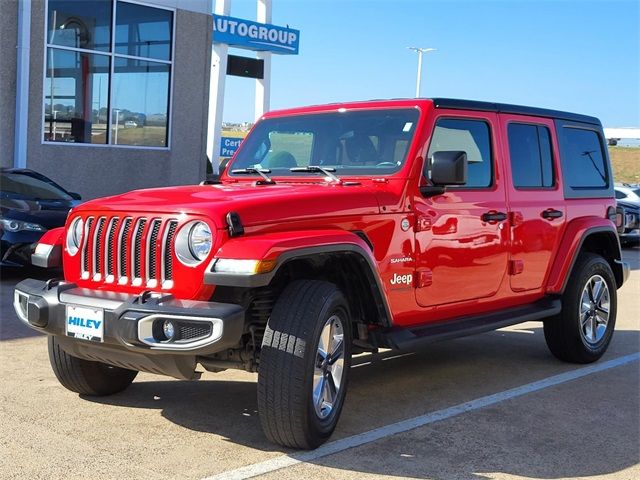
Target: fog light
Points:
(168, 329)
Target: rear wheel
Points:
(304, 364)
(582, 332)
(87, 377)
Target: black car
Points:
(628, 198)
(30, 204)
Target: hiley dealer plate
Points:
(85, 323)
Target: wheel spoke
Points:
(594, 328)
(329, 391)
(603, 309)
(336, 375)
(318, 388)
(337, 350)
(584, 318)
(324, 344)
(599, 289)
(601, 319)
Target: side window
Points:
(530, 153)
(471, 136)
(620, 195)
(583, 161)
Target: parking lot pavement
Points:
(164, 428)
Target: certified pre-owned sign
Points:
(255, 36)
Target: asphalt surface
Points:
(588, 427)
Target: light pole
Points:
(115, 134)
(420, 52)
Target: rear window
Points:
(586, 172)
(584, 162)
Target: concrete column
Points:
(263, 86)
(22, 84)
(219, 53)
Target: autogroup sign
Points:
(255, 36)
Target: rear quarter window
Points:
(585, 165)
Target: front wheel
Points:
(582, 331)
(304, 364)
(87, 377)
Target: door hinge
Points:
(423, 224)
(516, 218)
(425, 278)
(516, 267)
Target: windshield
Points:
(365, 142)
(30, 187)
(637, 191)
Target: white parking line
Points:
(337, 446)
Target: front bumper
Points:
(130, 326)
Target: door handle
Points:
(493, 216)
(551, 213)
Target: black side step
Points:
(408, 338)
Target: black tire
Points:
(87, 377)
(563, 332)
(288, 361)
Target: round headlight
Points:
(200, 240)
(74, 236)
(193, 242)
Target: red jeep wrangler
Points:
(339, 229)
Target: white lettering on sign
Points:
(406, 279)
(247, 34)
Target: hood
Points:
(48, 213)
(629, 204)
(256, 204)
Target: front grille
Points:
(125, 250)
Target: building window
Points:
(106, 86)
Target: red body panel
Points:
(448, 263)
(55, 236)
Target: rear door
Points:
(536, 201)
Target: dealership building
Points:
(106, 96)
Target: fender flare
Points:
(48, 252)
(284, 247)
(576, 234)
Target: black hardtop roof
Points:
(458, 104)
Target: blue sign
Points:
(255, 36)
(229, 145)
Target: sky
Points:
(580, 56)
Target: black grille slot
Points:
(137, 249)
(152, 253)
(97, 246)
(85, 256)
(189, 331)
(113, 228)
(168, 245)
(122, 268)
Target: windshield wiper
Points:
(259, 171)
(327, 171)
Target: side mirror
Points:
(75, 196)
(447, 168)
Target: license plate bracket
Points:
(85, 323)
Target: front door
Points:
(462, 236)
(537, 215)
